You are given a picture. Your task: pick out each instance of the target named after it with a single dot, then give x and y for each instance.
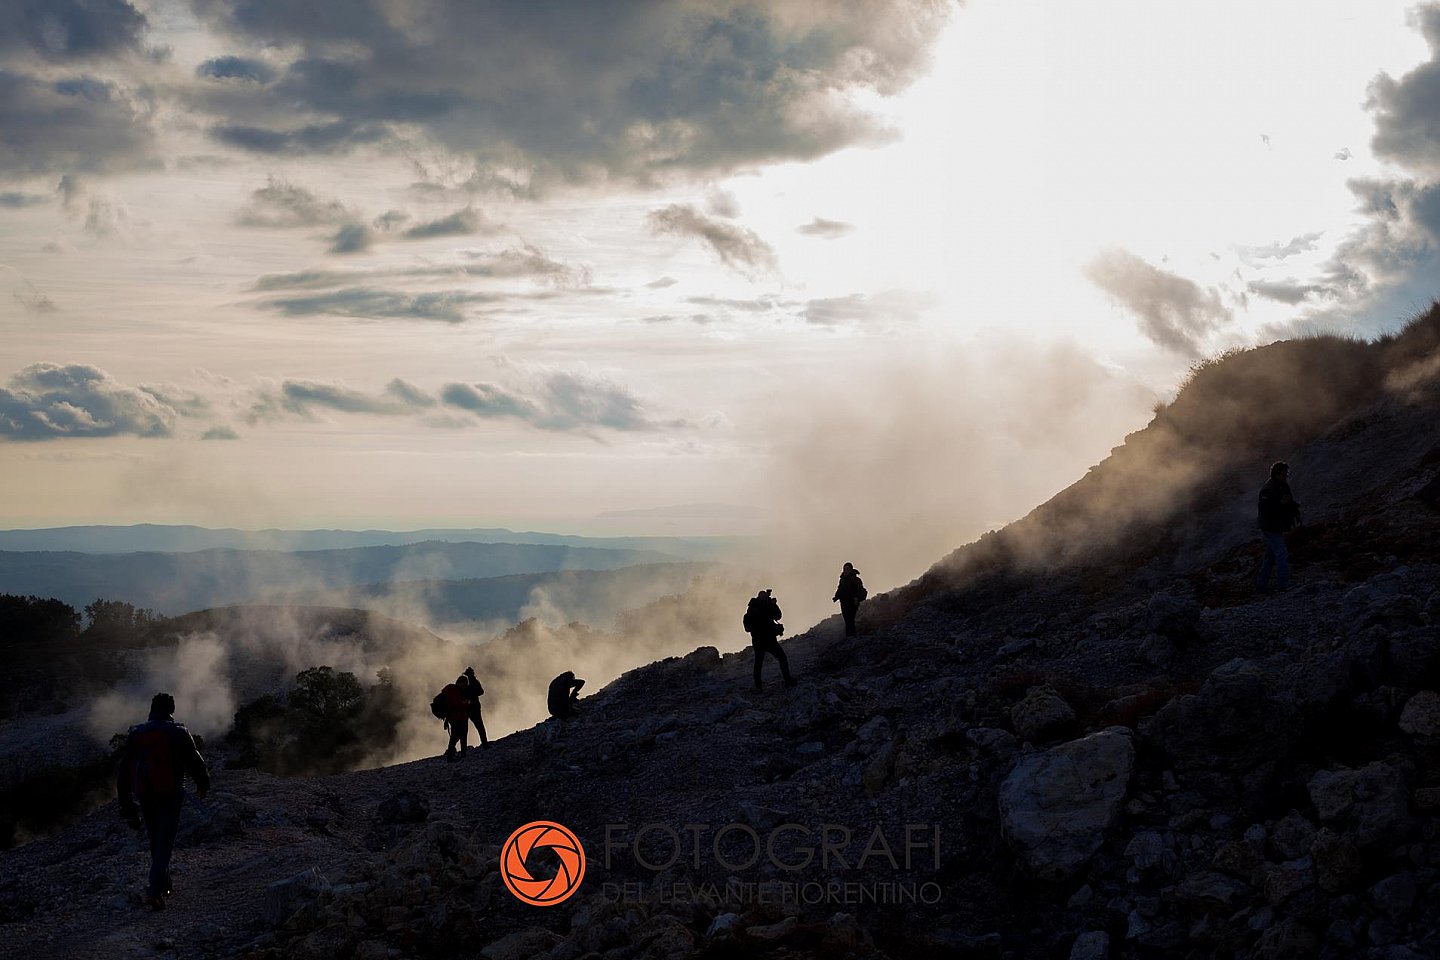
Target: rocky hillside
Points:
(1123, 750)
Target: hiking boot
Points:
(759, 688)
(450, 758)
(154, 902)
(169, 885)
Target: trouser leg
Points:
(779, 653)
(162, 820)
(847, 610)
(759, 659)
(1282, 562)
(480, 727)
(1266, 564)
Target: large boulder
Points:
(1042, 715)
(1057, 805)
(1369, 805)
(1233, 721)
(1421, 716)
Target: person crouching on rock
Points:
(157, 756)
(762, 622)
(476, 692)
(1279, 513)
(457, 716)
(849, 592)
(564, 696)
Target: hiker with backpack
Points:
(563, 697)
(1278, 515)
(762, 622)
(150, 784)
(849, 593)
(452, 704)
(476, 692)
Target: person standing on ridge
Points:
(849, 594)
(1279, 514)
(564, 696)
(476, 692)
(762, 622)
(456, 700)
(157, 756)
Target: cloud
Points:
(282, 204)
(566, 401)
(860, 308)
(661, 283)
(825, 229)
(722, 203)
(1407, 111)
(15, 200)
(352, 238)
(513, 262)
(64, 30)
(737, 247)
(753, 305)
(46, 401)
(1175, 313)
(1285, 291)
(458, 224)
(220, 433)
(370, 303)
(1304, 243)
(74, 123)
(587, 92)
(302, 397)
(33, 301)
(236, 68)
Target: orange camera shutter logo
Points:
(542, 891)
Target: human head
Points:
(162, 706)
(1279, 470)
(462, 681)
(849, 567)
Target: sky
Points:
(898, 270)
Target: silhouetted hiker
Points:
(1279, 513)
(564, 696)
(849, 592)
(476, 692)
(762, 622)
(157, 756)
(455, 698)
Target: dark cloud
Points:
(302, 397)
(236, 68)
(584, 91)
(220, 433)
(391, 220)
(15, 200)
(461, 223)
(562, 401)
(369, 303)
(1285, 291)
(860, 308)
(352, 238)
(825, 229)
(514, 262)
(283, 204)
(76, 123)
(1407, 111)
(1175, 313)
(65, 30)
(737, 247)
(47, 401)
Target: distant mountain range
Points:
(173, 583)
(161, 538)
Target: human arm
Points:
(192, 762)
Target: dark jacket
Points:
(457, 703)
(157, 756)
(562, 688)
(1278, 509)
(850, 588)
(761, 618)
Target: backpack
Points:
(152, 770)
(437, 706)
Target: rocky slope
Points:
(1125, 751)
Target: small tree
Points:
(323, 693)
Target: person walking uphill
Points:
(762, 622)
(157, 756)
(1279, 513)
(849, 593)
(455, 701)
